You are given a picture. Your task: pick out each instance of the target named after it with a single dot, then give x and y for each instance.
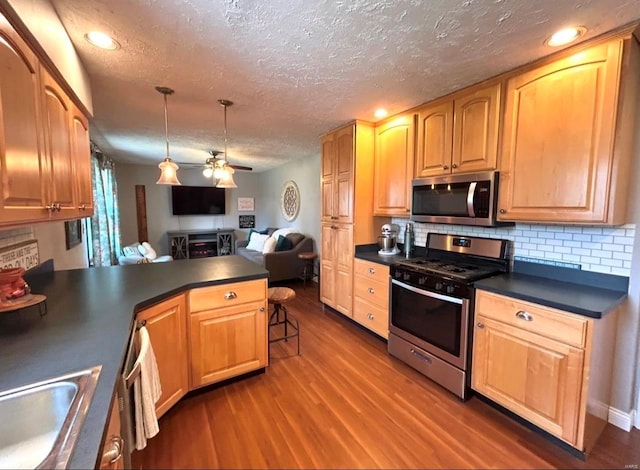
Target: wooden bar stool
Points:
(307, 272)
(278, 296)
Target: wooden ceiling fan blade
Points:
(241, 167)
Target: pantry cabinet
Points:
(44, 142)
(371, 296)
(551, 367)
(166, 324)
(393, 167)
(568, 137)
(347, 211)
(459, 133)
(227, 331)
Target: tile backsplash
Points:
(600, 249)
(11, 237)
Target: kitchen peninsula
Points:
(90, 314)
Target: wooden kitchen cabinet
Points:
(42, 137)
(460, 133)
(568, 137)
(167, 327)
(393, 166)
(552, 368)
(371, 296)
(113, 447)
(227, 331)
(347, 210)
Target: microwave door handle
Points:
(470, 195)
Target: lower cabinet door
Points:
(226, 342)
(166, 324)
(113, 446)
(537, 378)
(371, 316)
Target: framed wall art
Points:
(246, 204)
(290, 200)
(73, 233)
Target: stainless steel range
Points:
(431, 305)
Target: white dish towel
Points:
(146, 391)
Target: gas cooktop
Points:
(463, 270)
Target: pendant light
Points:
(224, 173)
(168, 168)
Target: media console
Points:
(188, 244)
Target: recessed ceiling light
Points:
(565, 36)
(380, 113)
(102, 40)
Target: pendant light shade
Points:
(168, 169)
(224, 173)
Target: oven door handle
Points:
(428, 293)
(470, 196)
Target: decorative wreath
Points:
(290, 200)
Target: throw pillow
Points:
(283, 232)
(252, 230)
(256, 242)
(269, 245)
(295, 238)
(283, 244)
(149, 252)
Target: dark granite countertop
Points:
(370, 253)
(576, 298)
(89, 318)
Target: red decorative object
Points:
(12, 286)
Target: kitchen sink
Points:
(41, 421)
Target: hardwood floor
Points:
(345, 403)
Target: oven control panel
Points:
(431, 282)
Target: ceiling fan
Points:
(216, 160)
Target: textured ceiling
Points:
(296, 68)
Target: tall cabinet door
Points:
(343, 202)
(23, 173)
(476, 120)
(57, 109)
(166, 323)
(393, 168)
(558, 138)
(435, 137)
(82, 161)
(343, 249)
(327, 266)
(327, 181)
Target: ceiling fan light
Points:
(207, 172)
(226, 181)
(218, 172)
(168, 170)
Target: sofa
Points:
(282, 265)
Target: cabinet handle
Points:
(420, 356)
(114, 453)
(230, 295)
(371, 291)
(454, 166)
(262, 309)
(57, 204)
(370, 316)
(503, 211)
(526, 316)
(445, 167)
(372, 270)
(480, 325)
(81, 207)
(50, 207)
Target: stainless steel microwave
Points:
(464, 199)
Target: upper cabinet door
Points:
(22, 161)
(558, 138)
(393, 166)
(328, 177)
(58, 143)
(475, 130)
(435, 136)
(81, 155)
(343, 193)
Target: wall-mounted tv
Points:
(197, 200)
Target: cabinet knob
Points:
(230, 295)
(114, 452)
(50, 207)
(454, 166)
(502, 211)
(57, 206)
(372, 270)
(445, 167)
(262, 309)
(526, 316)
(81, 207)
(370, 316)
(480, 325)
(371, 290)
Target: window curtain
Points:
(105, 222)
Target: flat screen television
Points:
(197, 200)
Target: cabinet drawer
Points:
(227, 295)
(376, 293)
(545, 321)
(367, 269)
(372, 317)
